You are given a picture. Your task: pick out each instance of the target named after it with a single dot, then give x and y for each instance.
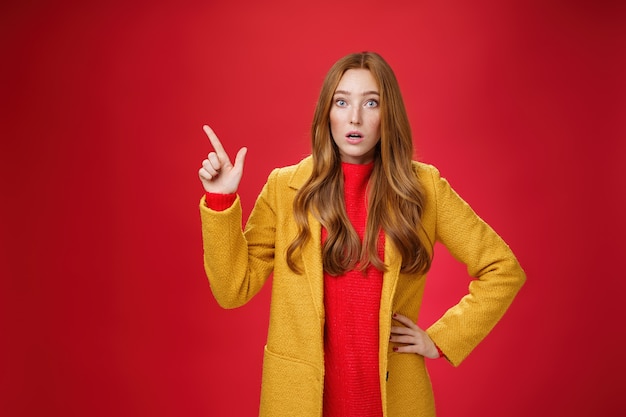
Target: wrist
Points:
(439, 352)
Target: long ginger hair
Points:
(395, 196)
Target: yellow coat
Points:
(238, 263)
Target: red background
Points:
(105, 309)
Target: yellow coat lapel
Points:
(312, 261)
(311, 252)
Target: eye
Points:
(341, 102)
(371, 103)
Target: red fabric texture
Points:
(219, 202)
(439, 351)
(352, 301)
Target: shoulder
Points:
(293, 175)
(292, 169)
(427, 174)
(435, 186)
(424, 168)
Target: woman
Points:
(348, 234)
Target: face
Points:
(355, 116)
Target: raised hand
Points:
(415, 340)
(218, 174)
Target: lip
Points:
(354, 140)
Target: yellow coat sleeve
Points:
(237, 262)
(497, 274)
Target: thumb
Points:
(241, 157)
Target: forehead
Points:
(357, 81)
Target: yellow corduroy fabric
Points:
(238, 263)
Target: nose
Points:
(355, 117)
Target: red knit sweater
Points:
(352, 301)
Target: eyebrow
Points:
(366, 93)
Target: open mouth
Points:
(354, 137)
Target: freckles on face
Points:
(355, 116)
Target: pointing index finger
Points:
(217, 145)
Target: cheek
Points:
(334, 122)
(374, 123)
